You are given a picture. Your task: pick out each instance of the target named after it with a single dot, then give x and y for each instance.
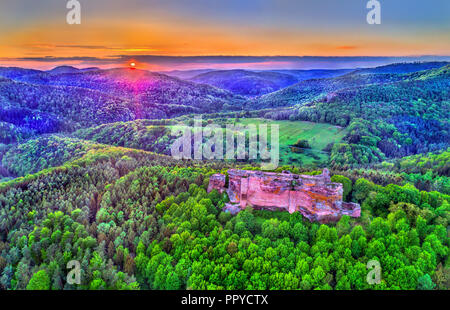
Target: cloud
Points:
(103, 47)
(89, 47)
(347, 47)
(54, 59)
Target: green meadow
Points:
(319, 135)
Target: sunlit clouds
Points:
(114, 33)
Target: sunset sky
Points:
(113, 32)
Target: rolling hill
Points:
(67, 98)
(185, 74)
(256, 83)
(148, 89)
(405, 67)
(16, 72)
(69, 69)
(302, 75)
(317, 89)
(246, 83)
(53, 108)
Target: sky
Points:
(167, 34)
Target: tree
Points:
(302, 143)
(346, 183)
(425, 283)
(343, 226)
(270, 228)
(39, 281)
(172, 281)
(299, 232)
(362, 189)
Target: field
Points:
(319, 135)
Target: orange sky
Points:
(175, 31)
(106, 38)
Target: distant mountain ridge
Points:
(404, 67)
(246, 83)
(70, 69)
(314, 89)
(186, 74)
(16, 72)
(67, 97)
(143, 87)
(256, 83)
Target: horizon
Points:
(260, 63)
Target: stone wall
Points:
(316, 197)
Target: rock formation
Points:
(315, 196)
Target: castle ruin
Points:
(314, 196)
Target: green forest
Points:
(138, 220)
(86, 175)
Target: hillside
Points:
(52, 102)
(42, 153)
(246, 83)
(399, 68)
(9, 133)
(185, 74)
(388, 120)
(140, 221)
(315, 89)
(256, 83)
(69, 69)
(407, 97)
(15, 72)
(310, 90)
(139, 134)
(54, 108)
(148, 89)
(388, 115)
(302, 75)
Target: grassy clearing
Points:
(319, 135)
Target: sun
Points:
(133, 65)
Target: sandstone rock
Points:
(316, 197)
(217, 181)
(232, 208)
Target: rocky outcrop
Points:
(316, 197)
(217, 181)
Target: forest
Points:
(137, 220)
(86, 175)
